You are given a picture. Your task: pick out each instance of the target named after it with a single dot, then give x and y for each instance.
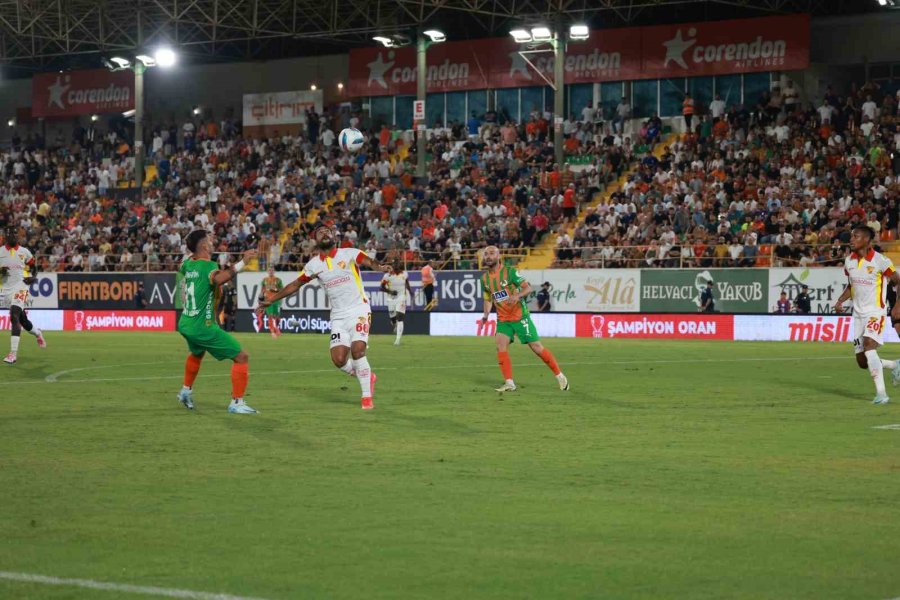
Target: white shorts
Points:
(395, 306)
(351, 328)
(14, 297)
(871, 327)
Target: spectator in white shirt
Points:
(825, 112)
(587, 114)
(717, 107)
(623, 112)
(869, 109)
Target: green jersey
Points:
(198, 295)
(497, 287)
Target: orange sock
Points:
(239, 376)
(505, 364)
(191, 368)
(548, 358)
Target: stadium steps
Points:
(541, 256)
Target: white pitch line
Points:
(435, 367)
(51, 378)
(120, 587)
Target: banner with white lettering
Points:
(455, 290)
(81, 93)
(779, 43)
(588, 290)
(282, 112)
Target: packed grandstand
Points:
(775, 182)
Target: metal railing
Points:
(171, 261)
(649, 256)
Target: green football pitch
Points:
(670, 470)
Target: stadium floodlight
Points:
(579, 32)
(340, 85)
(384, 41)
(147, 61)
(120, 62)
(521, 36)
(94, 118)
(11, 122)
(541, 34)
(312, 87)
(882, 2)
(128, 113)
(197, 110)
(435, 36)
(165, 57)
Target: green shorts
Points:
(213, 339)
(524, 329)
(274, 309)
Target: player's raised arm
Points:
(368, 262)
(291, 288)
(225, 275)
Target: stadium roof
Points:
(43, 35)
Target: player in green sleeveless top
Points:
(200, 281)
(506, 290)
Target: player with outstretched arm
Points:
(506, 289)
(337, 270)
(16, 268)
(867, 272)
(201, 278)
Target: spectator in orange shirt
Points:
(388, 194)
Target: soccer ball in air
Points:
(351, 139)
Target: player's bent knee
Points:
(862, 361)
(242, 358)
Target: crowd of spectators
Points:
(488, 183)
(773, 183)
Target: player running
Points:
(201, 278)
(271, 285)
(866, 272)
(337, 269)
(16, 268)
(506, 289)
(396, 284)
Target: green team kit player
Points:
(201, 278)
(505, 289)
(271, 285)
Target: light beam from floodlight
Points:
(165, 57)
(521, 36)
(435, 36)
(579, 32)
(541, 34)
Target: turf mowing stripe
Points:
(480, 366)
(120, 587)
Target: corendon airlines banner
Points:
(722, 47)
(81, 93)
(739, 46)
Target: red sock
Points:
(548, 358)
(505, 364)
(191, 368)
(239, 376)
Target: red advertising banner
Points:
(714, 48)
(723, 47)
(126, 320)
(651, 326)
(81, 93)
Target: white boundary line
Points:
(119, 587)
(54, 376)
(415, 368)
